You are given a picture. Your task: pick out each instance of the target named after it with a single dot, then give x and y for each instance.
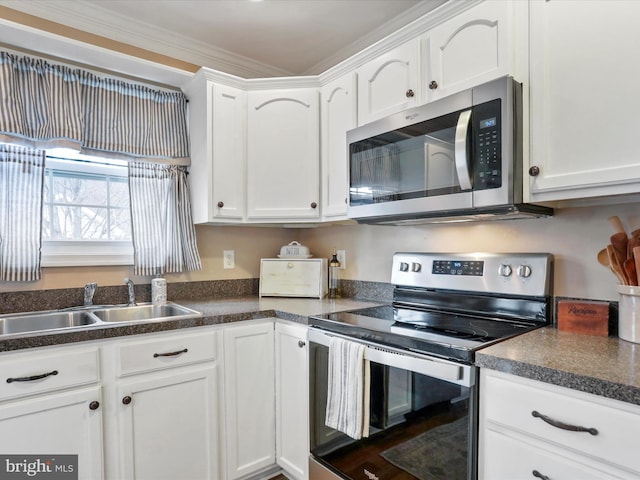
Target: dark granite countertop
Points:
(215, 311)
(605, 366)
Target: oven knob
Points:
(416, 267)
(524, 271)
(404, 267)
(504, 270)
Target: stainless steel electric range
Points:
(420, 349)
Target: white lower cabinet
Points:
(266, 399)
(292, 400)
(222, 402)
(51, 404)
(166, 406)
(530, 429)
(249, 402)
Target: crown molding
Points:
(24, 39)
(88, 16)
(402, 35)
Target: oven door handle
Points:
(430, 368)
(433, 367)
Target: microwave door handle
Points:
(460, 154)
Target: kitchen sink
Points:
(19, 323)
(37, 321)
(145, 312)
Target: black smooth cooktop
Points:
(449, 335)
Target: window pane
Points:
(86, 201)
(119, 193)
(79, 190)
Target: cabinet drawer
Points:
(30, 373)
(169, 350)
(507, 458)
(510, 402)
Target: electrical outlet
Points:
(228, 259)
(342, 258)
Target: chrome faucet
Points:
(89, 290)
(132, 295)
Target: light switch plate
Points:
(228, 259)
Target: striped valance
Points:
(46, 105)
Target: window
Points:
(86, 217)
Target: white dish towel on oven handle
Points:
(348, 388)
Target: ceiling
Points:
(247, 38)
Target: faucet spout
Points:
(132, 295)
(89, 290)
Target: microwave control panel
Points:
(487, 132)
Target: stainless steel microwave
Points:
(458, 158)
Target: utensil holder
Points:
(629, 313)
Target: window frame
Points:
(71, 253)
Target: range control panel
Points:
(523, 274)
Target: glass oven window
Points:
(420, 427)
(411, 162)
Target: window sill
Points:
(62, 253)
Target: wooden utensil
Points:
(615, 266)
(619, 243)
(636, 257)
(616, 224)
(629, 267)
(603, 258)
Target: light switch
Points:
(228, 259)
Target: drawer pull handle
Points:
(537, 474)
(562, 425)
(170, 354)
(32, 378)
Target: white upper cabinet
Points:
(339, 114)
(390, 83)
(584, 99)
(217, 119)
(283, 155)
(472, 48)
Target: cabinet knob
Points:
(534, 171)
(314, 205)
(126, 400)
(410, 93)
(301, 344)
(94, 405)
(433, 85)
(220, 204)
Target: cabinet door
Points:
(468, 50)
(283, 154)
(167, 425)
(338, 112)
(390, 83)
(508, 458)
(584, 99)
(217, 125)
(292, 400)
(229, 152)
(56, 424)
(249, 410)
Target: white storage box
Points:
(280, 277)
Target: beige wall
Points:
(574, 236)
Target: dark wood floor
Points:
(279, 477)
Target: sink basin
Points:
(145, 312)
(36, 321)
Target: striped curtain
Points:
(45, 105)
(21, 184)
(164, 239)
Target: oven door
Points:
(423, 418)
